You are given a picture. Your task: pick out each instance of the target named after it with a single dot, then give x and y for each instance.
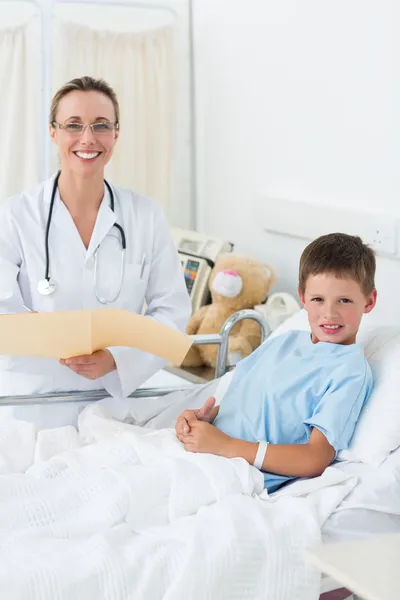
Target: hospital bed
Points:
(373, 507)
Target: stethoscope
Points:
(47, 286)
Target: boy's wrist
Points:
(240, 449)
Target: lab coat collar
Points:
(48, 189)
(104, 222)
(106, 218)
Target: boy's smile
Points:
(335, 306)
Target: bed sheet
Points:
(113, 510)
(373, 507)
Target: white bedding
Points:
(119, 512)
(373, 507)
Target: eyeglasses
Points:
(78, 129)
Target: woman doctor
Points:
(79, 242)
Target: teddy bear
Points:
(236, 282)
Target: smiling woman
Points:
(78, 242)
(86, 113)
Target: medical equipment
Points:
(198, 253)
(47, 286)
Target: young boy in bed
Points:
(294, 402)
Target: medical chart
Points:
(73, 333)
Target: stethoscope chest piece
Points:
(46, 287)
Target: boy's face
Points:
(335, 307)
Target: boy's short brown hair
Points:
(341, 255)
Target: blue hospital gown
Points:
(290, 385)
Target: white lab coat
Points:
(22, 264)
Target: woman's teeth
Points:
(87, 155)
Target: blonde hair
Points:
(84, 84)
(341, 255)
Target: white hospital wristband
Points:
(261, 452)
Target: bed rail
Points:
(221, 339)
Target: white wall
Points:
(299, 99)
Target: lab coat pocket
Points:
(133, 289)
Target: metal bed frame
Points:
(221, 339)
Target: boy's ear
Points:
(370, 302)
(301, 296)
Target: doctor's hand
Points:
(205, 413)
(91, 366)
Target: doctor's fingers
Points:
(87, 371)
(81, 360)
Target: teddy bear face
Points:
(240, 282)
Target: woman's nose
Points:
(88, 135)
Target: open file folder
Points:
(73, 333)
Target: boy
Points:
(294, 402)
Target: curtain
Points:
(141, 67)
(21, 136)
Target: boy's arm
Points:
(292, 460)
(332, 425)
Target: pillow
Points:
(297, 322)
(222, 386)
(377, 432)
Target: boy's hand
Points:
(205, 438)
(182, 426)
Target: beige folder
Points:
(73, 333)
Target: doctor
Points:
(80, 242)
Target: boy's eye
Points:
(316, 299)
(345, 300)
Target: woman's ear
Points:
(52, 131)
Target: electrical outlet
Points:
(382, 236)
(308, 221)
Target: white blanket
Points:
(118, 512)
